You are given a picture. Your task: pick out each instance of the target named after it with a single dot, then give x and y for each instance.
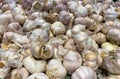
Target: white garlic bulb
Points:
(77, 28)
(72, 60)
(33, 65)
(28, 25)
(39, 35)
(38, 76)
(72, 5)
(84, 72)
(21, 18)
(55, 69)
(81, 11)
(58, 28)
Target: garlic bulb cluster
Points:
(59, 39)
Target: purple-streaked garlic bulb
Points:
(84, 72)
(64, 17)
(72, 60)
(110, 15)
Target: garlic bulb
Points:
(55, 69)
(19, 10)
(39, 35)
(41, 51)
(28, 25)
(21, 18)
(38, 76)
(113, 35)
(19, 74)
(33, 65)
(77, 28)
(99, 38)
(110, 15)
(64, 17)
(70, 45)
(109, 47)
(84, 72)
(97, 18)
(90, 59)
(72, 60)
(112, 65)
(72, 5)
(58, 28)
(69, 33)
(4, 69)
(35, 15)
(12, 57)
(59, 52)
(14, 26)
(81, 11)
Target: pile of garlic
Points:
(59, 39)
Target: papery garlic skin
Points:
(55, 69)
(84, 72)
(38, 76)
(4, 69)
(72, 60)
(33, 65)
